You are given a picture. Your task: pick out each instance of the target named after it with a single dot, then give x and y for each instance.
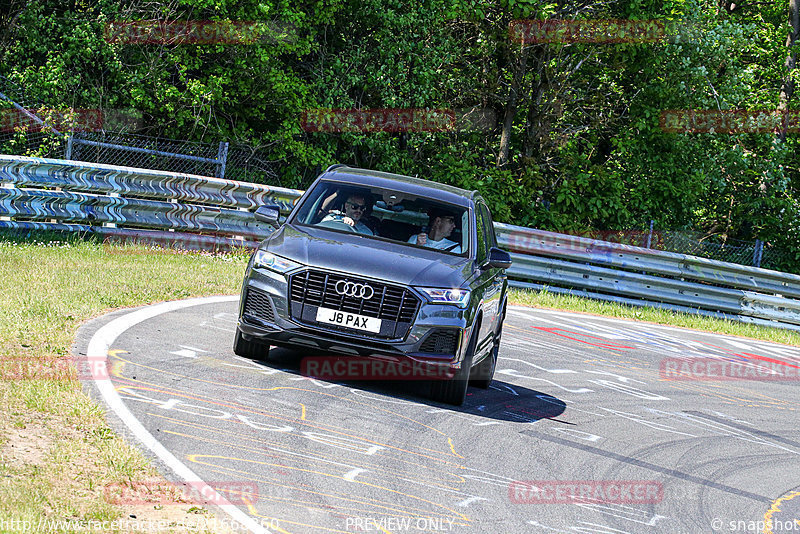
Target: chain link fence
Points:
(730, 250)
(779, 260)
(145, 152)
(248, 164)
(758, 253)
(31, 128)
(27, 126)
(232, 162)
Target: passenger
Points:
(354, 208)
(440, 225)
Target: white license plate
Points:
(350, 320)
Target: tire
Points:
(454, 391)
(484, 371)
(253, 350)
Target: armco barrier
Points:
(67, 206)
(635, 275)
(123, 203)
(211, 213)
(625, 283)
(126, 181)
(627, 257)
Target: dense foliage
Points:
(570, 141)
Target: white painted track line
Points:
(97, 351)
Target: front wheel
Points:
(484, 372)
(252, 349)
(454, 390)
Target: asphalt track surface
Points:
(578, 401)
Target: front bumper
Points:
(267, 316)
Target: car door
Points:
(485, 284)
(494, 292)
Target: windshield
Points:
(387, 214)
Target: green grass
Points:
(57, 453)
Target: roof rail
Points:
(335, 166)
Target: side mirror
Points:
(498, 259)
(268, 214)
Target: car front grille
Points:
(440, 341)
(396, 305)
(257, 305)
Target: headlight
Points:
(266, 260)
(459, 297)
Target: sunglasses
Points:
(359, 207)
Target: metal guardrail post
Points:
(222, 157)
(758, 249)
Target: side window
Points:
(481, 233)
(491, 239)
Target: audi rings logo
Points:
(352, 289)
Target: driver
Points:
(441, 225)
(354, 208)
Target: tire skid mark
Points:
(339, 397)
(703, 389)
(277, 450)
(303, 423)
(453, 513)
(647, 465)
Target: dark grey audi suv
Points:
(380, 266)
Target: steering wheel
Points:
(337, 224)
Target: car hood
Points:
(367, 257)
